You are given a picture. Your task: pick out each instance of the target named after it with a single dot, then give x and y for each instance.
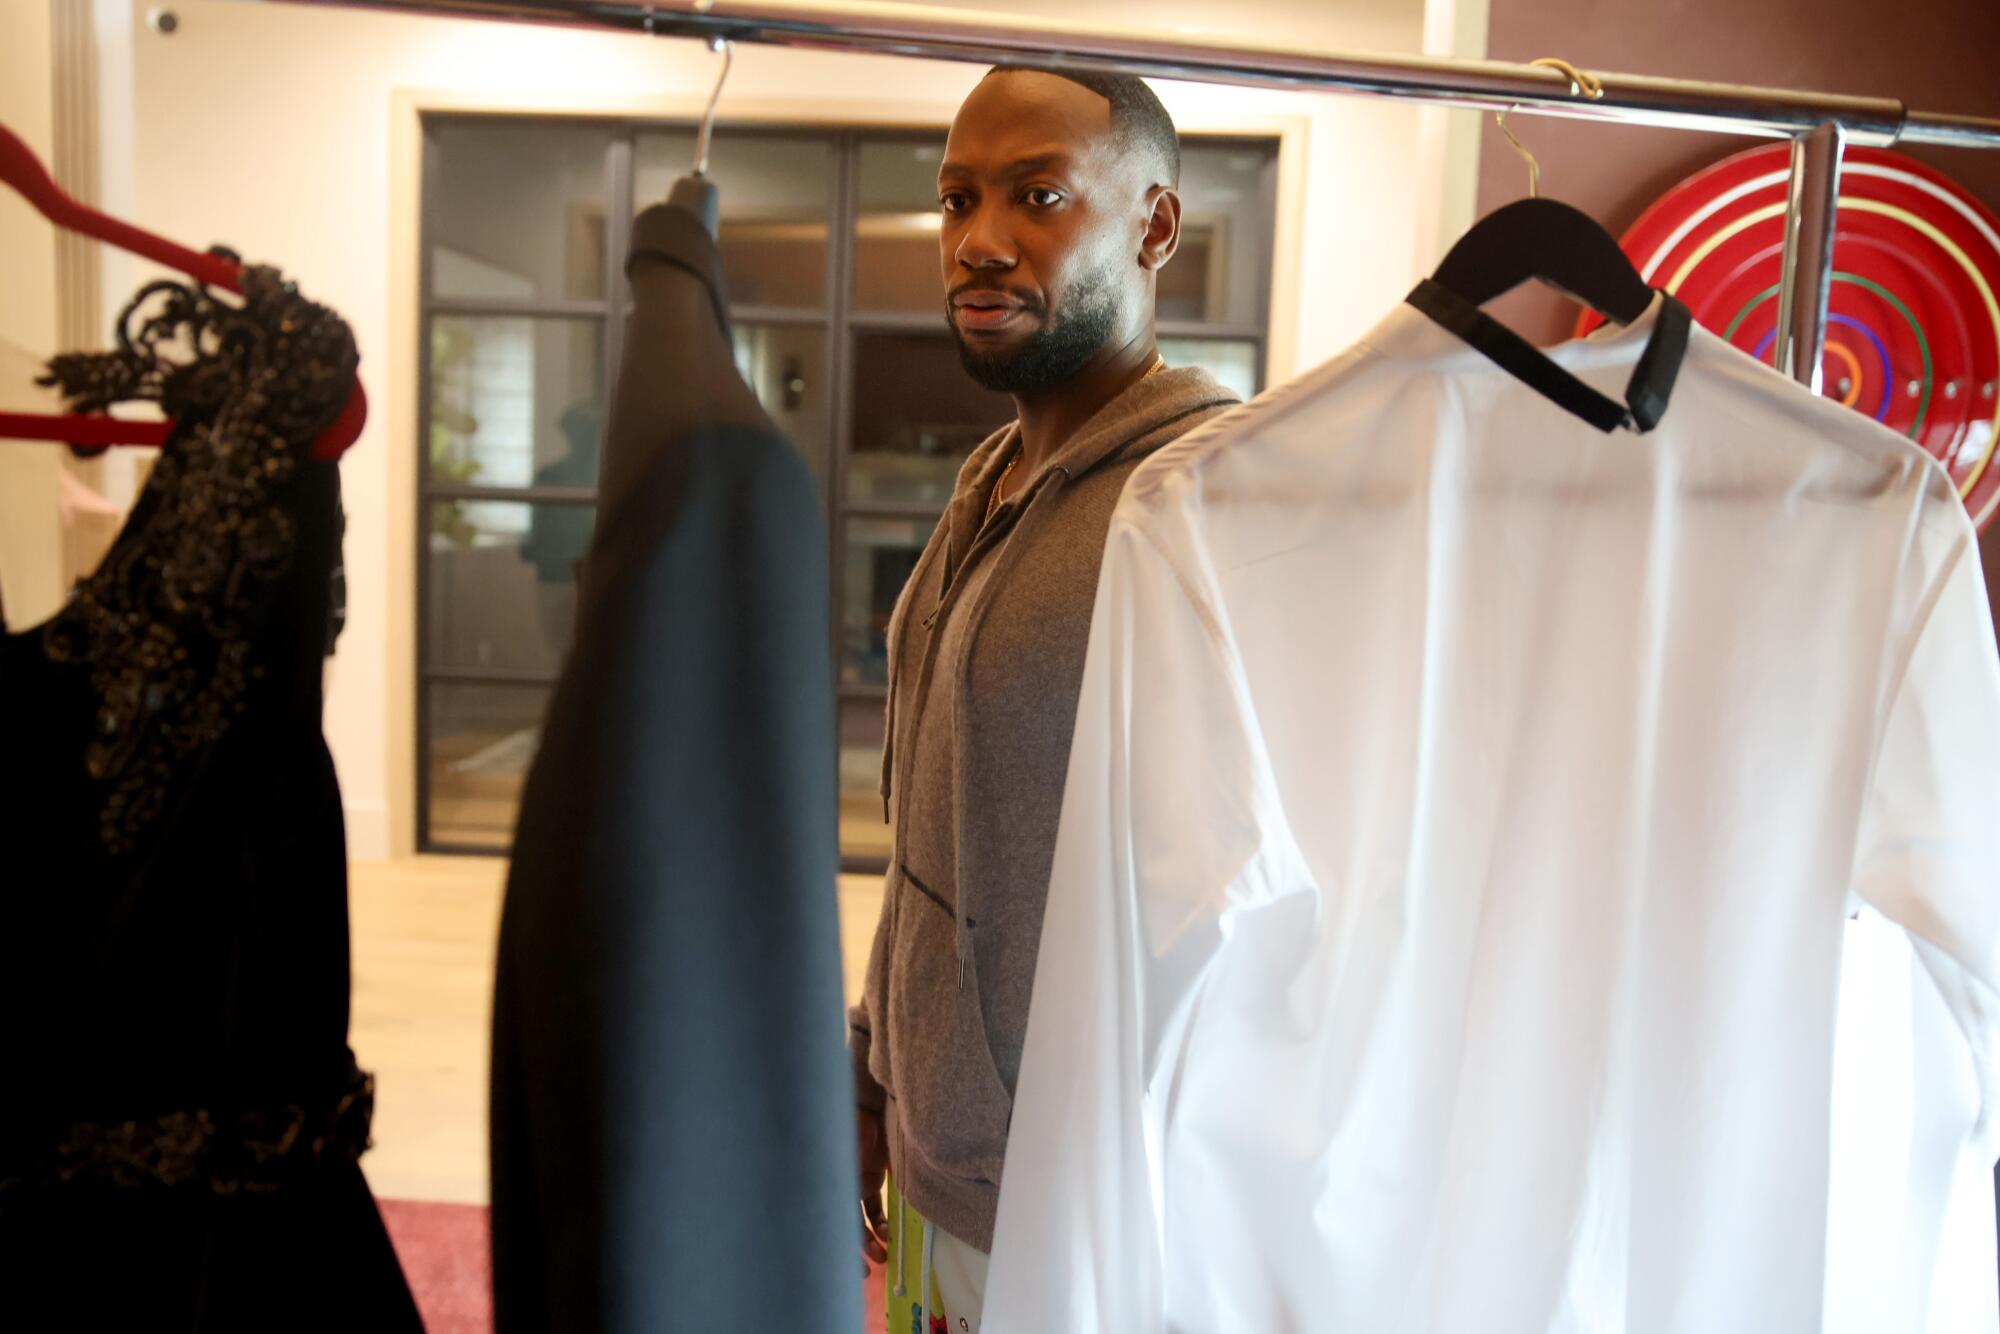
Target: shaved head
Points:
(1139, 120)
(1059, 202)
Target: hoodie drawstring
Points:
(900, 1245)
(930, 1265)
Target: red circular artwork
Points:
(1913, 324)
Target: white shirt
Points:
(1464, 814)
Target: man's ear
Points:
(1163, 228)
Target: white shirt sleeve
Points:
(1928, 857)
(1169, 819)
(1910, 1210)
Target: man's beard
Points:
(1058, 349)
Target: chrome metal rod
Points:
(1807, 276)
(949, 34)
(1948, 131)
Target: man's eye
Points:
(1042, 197)
(952, 202)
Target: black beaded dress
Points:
(181, 1119)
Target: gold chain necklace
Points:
(993, 496)
(997, 496)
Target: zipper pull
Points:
(961, 965)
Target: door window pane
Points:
(502, 590)
(881, 554)
(917, 414)
(1231, 361)
(776, 195)
(516, 402)
(786, 366)
(519, 210)
(896, 266)
(482, 739)
(863, 832)
(1220, 273)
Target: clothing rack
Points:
(1818, 124)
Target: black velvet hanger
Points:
(1564, 247)
(1548, 240)
(696, 196)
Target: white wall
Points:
(1449, 140)
(286, 132)
(27, 242)
(30, 541)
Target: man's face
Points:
(1043, 220)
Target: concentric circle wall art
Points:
(1913, 327)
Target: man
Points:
(1059, 210)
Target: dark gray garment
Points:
(672, 1115)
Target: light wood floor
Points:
(424, 935)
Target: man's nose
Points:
(983, 244)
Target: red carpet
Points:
(874, 1320)
(445, 1255)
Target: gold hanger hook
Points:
(1582, 83)
(1534, 167)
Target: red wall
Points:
(1936, 55)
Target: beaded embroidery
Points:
(164, 625)
(254, 1151)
